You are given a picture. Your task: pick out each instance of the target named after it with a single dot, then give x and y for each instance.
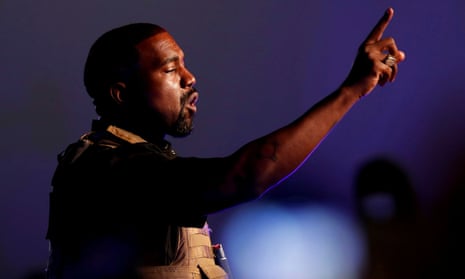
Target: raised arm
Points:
(266, 161)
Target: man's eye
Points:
(170, 70)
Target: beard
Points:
(183, 126)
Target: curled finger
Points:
(391, 62)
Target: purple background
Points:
(259, 64)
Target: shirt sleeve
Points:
(181, 184)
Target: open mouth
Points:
(192, 101)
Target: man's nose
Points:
(187, 79)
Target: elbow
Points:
(252, 187)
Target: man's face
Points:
(166, 86)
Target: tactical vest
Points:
(194, 257)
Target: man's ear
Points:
(118, 92)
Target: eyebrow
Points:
(169, 60)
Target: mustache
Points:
(187, 95)
(192, 91)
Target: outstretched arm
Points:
(266, 161)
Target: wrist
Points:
(349, 94)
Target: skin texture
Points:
(164, 99)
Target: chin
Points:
(181, 131)
(180, 135)
(182, 127)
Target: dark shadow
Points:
(35, 274)
(384, 193)
(387, 207)
(450, 221)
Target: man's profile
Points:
(124, 204)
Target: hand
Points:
(370, 67)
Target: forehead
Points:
(159, 48)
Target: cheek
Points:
(164, 98)
(161, 92)
(152, 89)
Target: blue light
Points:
(266, 241)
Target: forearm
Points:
(266, 161)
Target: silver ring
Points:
(390, 60)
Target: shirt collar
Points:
(99, 125)
(125, 135)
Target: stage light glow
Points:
(266, 241)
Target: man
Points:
(124, 205)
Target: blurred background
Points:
(382, 197)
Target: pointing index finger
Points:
(377, 32)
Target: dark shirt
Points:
(120, 200)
